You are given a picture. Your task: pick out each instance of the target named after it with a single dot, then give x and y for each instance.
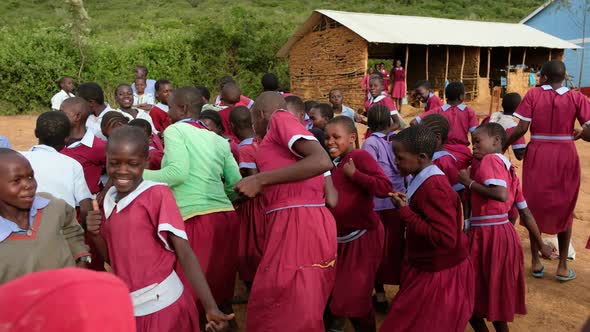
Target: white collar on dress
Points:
(246, 141)
(162, 107)
(461, 107)
(109, 203)
(439, 154)
(505, 160)
(560, 91)
(419, 179)
(380, 97)
(87, 140)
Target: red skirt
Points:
(393, 248)
(588, 243)
(180, 316)
(432, 301)
(214, 238)
(356, 266)
(296, 273)
(399, 89)
(550, 183)
(498, 261)
(462, 154)
(251, 238)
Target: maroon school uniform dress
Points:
(389, 271)
(462, 120)
(159, 115)
(385, 75)
(224, 114)
(137, 232)
(156, 153)
(437, 286)
(360, 234)
(432, 102)
(90, 152)
(447, 163)
(297, 272)
(494, 245)
(551, 168)
(251, 219)
(382, 99)
(399, 82)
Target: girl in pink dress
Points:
(551, 168)
(398, 88)
(494, 244)
(297, 270)
(143, 236)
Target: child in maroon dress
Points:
(379, 146)
(551, 167)
(462, 120)
(142, 236)
(398, 88)
(156, 150)
(358, 178)
(494, 244)
(297, 270)
(250, 212)
(159, 112)
(423, 93)
(213, 121)
(437, 284)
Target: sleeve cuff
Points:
(418, 119)
(295, 138)
(495, 182)
(169, 228)
(587, 124)
(327, 173)
(518, 146)
(521, 205)
(82, 254)
(472, 129)
(524, 118)
(248, 165)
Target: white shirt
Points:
(93, 123)
(146, 98)
(150, 87)
(58, 174)
(141, 114)
(58, 98)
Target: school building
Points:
(331, 50)
(569, 20)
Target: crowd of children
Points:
(176, 197)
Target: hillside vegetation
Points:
(186, 41)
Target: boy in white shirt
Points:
(66, 84)
(142, 99)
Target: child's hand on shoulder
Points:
(465, 176)
(249, 186)
(349, 168)
(217, 320)
(94, 219)
(398, 199)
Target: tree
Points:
(79, 18)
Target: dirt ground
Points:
(552, 306)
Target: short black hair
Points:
(270, 82)
(418, 139)
(225, 80)
(554, 70)
(454, 91)
(510, 102)
(142, 68)
(143, 124)
(62, 79)
(326, 110)
(438, 124)
(344, 121)
(120, 86)
(204, 91)
(188, 96)
(213, 116)
(129, 135)
(160, 83)
(494, 129)
(377, 78)
(240, 117)
(52, 128)
(423, 83)
(140, 79)
(309, 104)
(91, 91)
(111, 118)
(296, 102)
(378, 118)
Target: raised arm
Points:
(176, 170)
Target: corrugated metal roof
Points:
(397, 29)
(536, 11)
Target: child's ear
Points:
(423, 157)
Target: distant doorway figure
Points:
(398, 88)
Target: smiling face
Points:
(422, 92)
(375, 87)
(124, 97)
(125, 165)
(17, 183)
(339, 141)
(164, 93)
(484, 144)
(336, 98)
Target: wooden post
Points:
(489, 61)
(523, 58)
(446, 73)
(427, 62)
(476, 83)
(509, 55)
(406, 67)
(549, 55)
(462, 64)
